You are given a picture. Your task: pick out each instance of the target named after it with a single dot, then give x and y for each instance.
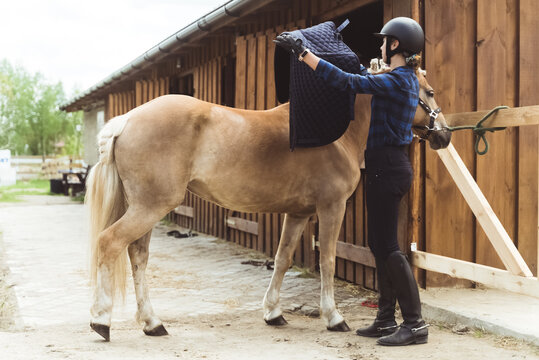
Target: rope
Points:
(480, 131)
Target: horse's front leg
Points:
(138, 254)
(330, 220)
(292, 229)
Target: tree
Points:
(31, 122)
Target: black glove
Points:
(290, 43)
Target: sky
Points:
(80, 42)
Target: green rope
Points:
(480, 131)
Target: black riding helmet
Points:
(407, 31)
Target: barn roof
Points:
(212, 21)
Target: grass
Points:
(31, 187)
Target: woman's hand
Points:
(290, 43)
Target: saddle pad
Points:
(319, 114)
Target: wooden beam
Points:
(240, 224)
(520, 116)
(342, 9)
(495, 231)
(493, 277)
(184, 210)
(358, 254)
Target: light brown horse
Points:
(239, 159)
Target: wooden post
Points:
(497, 235)
(528, 94)
(414, 200)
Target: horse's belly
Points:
(238, 193)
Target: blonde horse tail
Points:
(106, 202)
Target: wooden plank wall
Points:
(528, 139)
(119, 103)
(476, 60)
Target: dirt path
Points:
(209, 302)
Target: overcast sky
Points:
(82, 42)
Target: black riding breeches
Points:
(388, 178)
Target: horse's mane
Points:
(421, 77)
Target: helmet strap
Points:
(389, 52)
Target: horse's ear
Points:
(421, 72)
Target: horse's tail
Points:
(105, 200)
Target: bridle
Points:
(433, 114)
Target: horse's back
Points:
(237, 158)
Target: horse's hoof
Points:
(102, 330)
(278, 321)
(158, 331)
(342, 327)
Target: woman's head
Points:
(401, 35)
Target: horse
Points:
(238, 159)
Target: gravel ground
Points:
(209, 302)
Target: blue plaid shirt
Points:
(393, 105)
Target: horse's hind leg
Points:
(136, 222)
(292, 230)
(138, 254)
(330, 218)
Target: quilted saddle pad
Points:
(319, 114)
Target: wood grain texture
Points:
(241, 72)
(493, 54)
(451, 70)
(528, 137)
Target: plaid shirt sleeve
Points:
(394, 102)
(383, 84)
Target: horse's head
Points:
(429, 122)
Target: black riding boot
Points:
(384, 324)
(413, 330)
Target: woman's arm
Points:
(383, 84)
(335, 77)
(311, 60)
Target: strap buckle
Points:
(303, 54)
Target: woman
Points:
(388, 169)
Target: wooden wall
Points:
(478, 54)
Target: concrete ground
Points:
(211, 303)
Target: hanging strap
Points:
(343, 25)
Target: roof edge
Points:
(221, 16)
